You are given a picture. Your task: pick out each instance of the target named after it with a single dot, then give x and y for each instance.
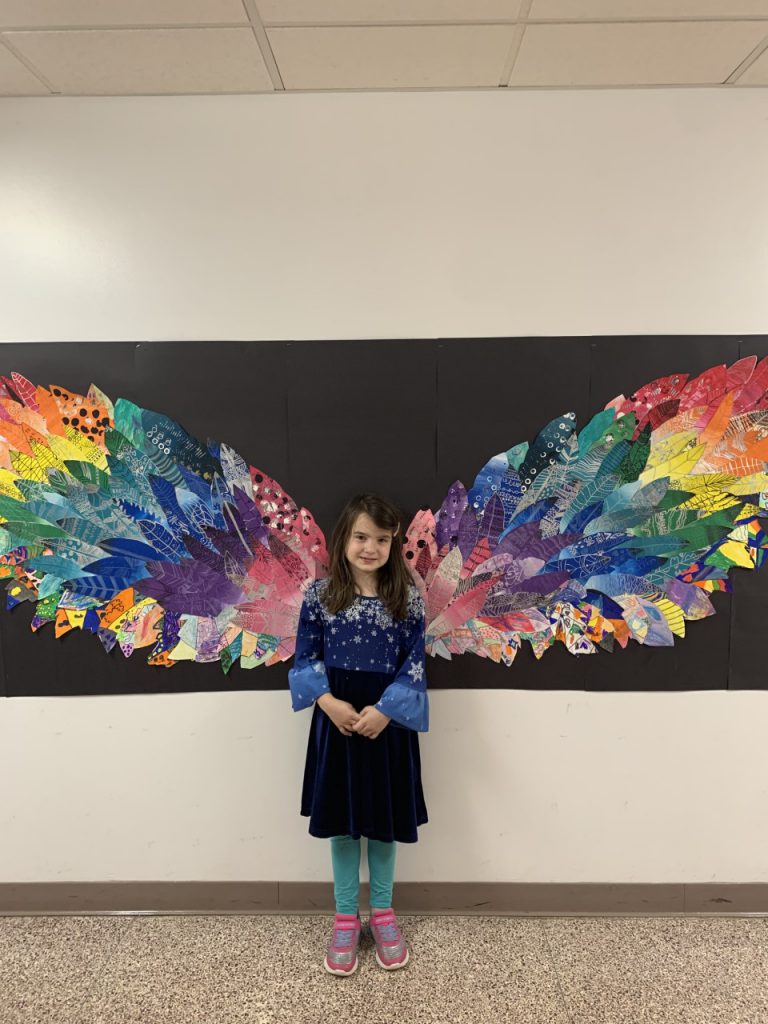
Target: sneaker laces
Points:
(344, 933)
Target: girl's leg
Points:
(381, 866)
(345, 857)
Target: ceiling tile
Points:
(615, 10)
(147, 61)
(330, 12)
(15, 79)
(392, 57)
(93, 13)
(757, 73)
(669, 53)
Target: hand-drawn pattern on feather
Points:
(618, 533)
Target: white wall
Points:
(375, 215)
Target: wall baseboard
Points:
(539, 899)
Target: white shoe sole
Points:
(339, 973)
(392, 967)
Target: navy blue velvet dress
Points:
(354, 785)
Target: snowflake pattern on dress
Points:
(363, 637)
(416, 671)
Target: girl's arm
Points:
(405, 700)
(308, 678)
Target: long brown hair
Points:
(393, 577)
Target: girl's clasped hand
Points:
(368, 722)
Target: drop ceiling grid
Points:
(181, 47)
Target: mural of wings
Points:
(116, 521)
(113, 519)
(618, 532)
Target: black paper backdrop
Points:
(404, 418)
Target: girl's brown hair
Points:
(393, 577)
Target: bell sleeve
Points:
(405, 700)
(308, 678)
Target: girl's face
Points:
(368, 545)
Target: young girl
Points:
(360, 661)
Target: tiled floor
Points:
(222, 970)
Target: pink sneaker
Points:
(391, 950)
(341, 955)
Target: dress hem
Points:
(357, 834)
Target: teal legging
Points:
(345, 857)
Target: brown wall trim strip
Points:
(455, 898)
